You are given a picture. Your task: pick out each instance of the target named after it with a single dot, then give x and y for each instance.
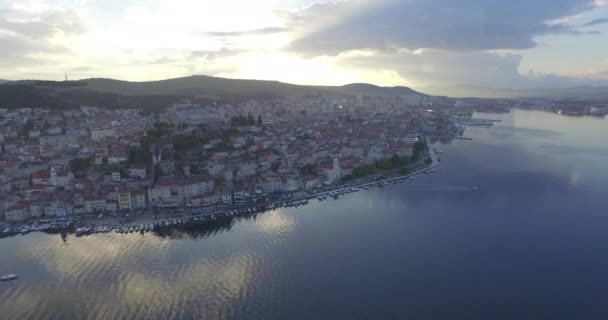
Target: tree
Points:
(140, 155)
(250, 120)
(395, 160)
(348, 177)
(308, 169)
(419, 148)
(185, 142)
(404, 171)
(80, 164)
(260, 120)
(275, 166)
(160, 129)
(384, 164)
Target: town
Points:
(93, 163)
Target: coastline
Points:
(83, 227)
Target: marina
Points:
(433, 232)
(198, 214)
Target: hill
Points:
(156, 95)
(372, 90)
(205, 85)
(198, 85)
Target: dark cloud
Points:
(333, 27)
(255, 32)
(445, 68)
(595, 22)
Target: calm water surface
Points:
(531, 243)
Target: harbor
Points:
(180, 216)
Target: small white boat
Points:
(9, 277)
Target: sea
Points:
(513, 225)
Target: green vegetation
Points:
(404, 171)
(109, 168)
(160, 129)
(140, 156)
(275, 166)
(308, 169)
(249, 120)
(419, 150)
(156, 96)
(186, 142)
(242, 121)
(205, 85)
(392, 163)
(28, 95)
(80, 164)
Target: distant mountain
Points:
(4, 81)
(155, 95)
(198, 85)
(205, 85)
(462, 91)
(372, 90)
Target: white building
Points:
(18, 212)
(137, 171)
(61, 178)
(138, 199)
(33, 134)
(59, 140)
(193, 187)
(100, 134)
(272, 184)
(247, 169)
(215, 169)
(117, 158)
(94, 205)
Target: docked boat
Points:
(9, 277)
(80, 232)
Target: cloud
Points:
(43, 26)
(254, 32)
(432, 67)
(215, 54)
(595, 22)
(333, 27)
(30, 38)
(18, 51)
(599, 75)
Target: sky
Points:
(416, 43)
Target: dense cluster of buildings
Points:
(94, 160)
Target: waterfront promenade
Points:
(183, 215)
(294, 201)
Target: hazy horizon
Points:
(419, 44)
